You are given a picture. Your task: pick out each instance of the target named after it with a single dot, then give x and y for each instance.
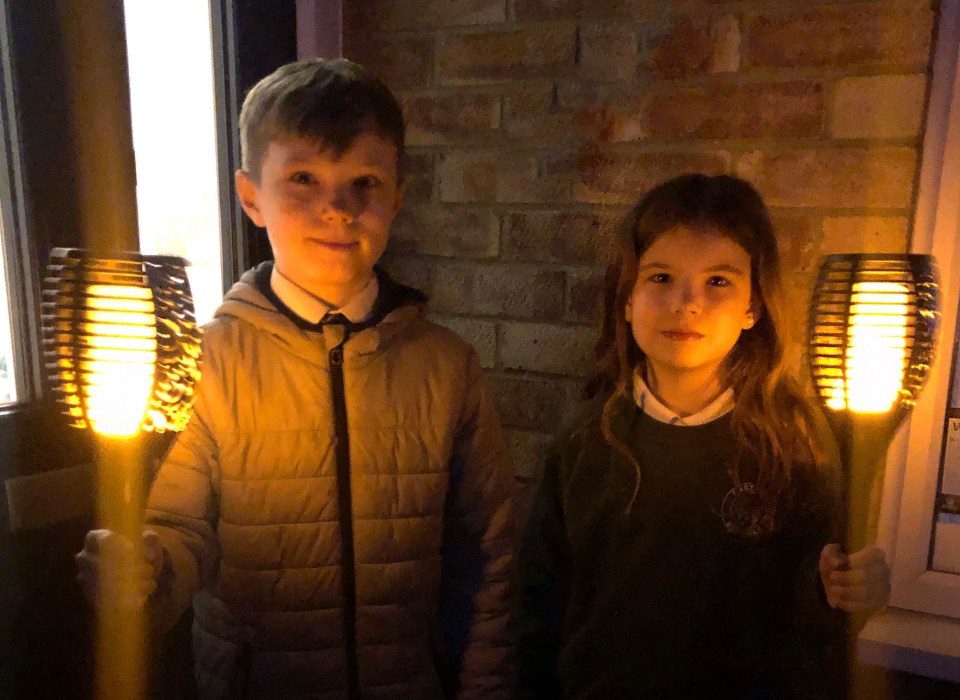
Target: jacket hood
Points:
(397, 305)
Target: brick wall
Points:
(534, 124)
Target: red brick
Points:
(832, 177)
(694, 45)
(488, 177)
(408, 269)
(528, 403)
(878, 106)
(580, 94)
(797, 231)
(859, 34)
(401, 62)
(482, 335)
(420, 14)
(434, 230)
(558, 163)
(608, 52)
(613, 120)
(522, 179)
(468, 176)
(451, 118)
(570, 237)
(637, 10)
(532, 118)
(805, 239)
(538, 347)
(864, 234)
(622, 178)
(608, 113)
(419, 177)
(585, 297)
(505, 55)
(753, 110)
(519, 292)
(498, 290)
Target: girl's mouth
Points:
(682, 335)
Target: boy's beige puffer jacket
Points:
(248, 504)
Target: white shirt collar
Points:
(653, 407)
(312, 309)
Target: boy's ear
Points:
(248, 192)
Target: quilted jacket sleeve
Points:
(477, 591)
(181, 509)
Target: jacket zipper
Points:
(342, 448)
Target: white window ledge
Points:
(904, 640)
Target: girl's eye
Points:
(718, 281)
(659, 278)
(301, 178)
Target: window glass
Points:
(174, 139)
(8, 387)
(945, 547)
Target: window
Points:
(45, 508)
(926, 573)
(8, 388)
(172, 106)
(920, 518)
(945, 542)
(18, 363)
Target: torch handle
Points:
(122, 648)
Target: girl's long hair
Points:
(771, 420)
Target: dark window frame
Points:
(44, 633)
(19, 249)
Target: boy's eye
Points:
(366, 182)
(301, 178)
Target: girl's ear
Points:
(628, 310)
(750, 319)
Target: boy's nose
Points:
(337, 209)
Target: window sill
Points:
(904, 640)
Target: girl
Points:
(679, 543)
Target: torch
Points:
(122, 353)
(872, 327)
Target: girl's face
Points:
(690, 302)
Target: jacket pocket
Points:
(223, 647)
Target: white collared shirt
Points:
(313, 309)
(653, 407)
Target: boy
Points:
(338, 509)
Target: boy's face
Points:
(328, 218)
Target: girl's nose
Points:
(687, 299)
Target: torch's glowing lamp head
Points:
(872, 327)
(121, 344)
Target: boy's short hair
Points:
(330, 101)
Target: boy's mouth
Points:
(333, 245)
